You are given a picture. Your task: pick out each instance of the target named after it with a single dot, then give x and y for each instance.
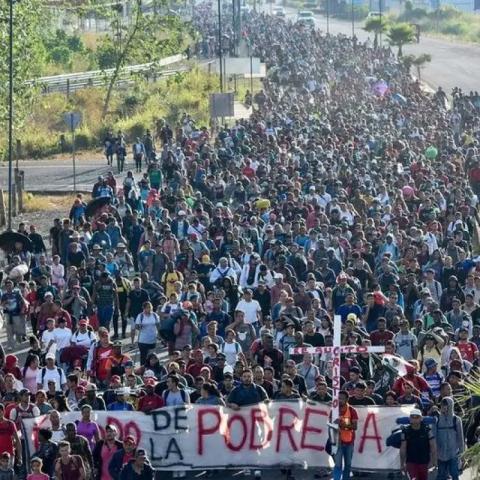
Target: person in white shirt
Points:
(251, 308)
(83, 337)
(223, 270)
(48, 337)
(51, 373)
(62, 336)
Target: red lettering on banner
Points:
(307, 428)
(336, 381)
(371, 417)
(260, 417)
(206, 430)
(282, 412)
(349, 348)
(362, 349)
(131, 428)
(336, 352)
(228, 439)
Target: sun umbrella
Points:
(9, 239)
(95, 205)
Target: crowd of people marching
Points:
(348, 192)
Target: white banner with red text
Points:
(265, 435)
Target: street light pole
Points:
(233, 27)
(328, 17)
(10, 112)
(220, 53)
(380, 5)
(353, 21)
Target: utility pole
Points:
(10, 113)
(220, 48)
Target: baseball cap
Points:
(91, 387)
(83, 321)
(416, 413)
(430, 363)
(50, 356)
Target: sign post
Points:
(73, 119)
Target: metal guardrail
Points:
(71, 82)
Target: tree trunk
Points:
(120, 60)
(400, 51)
(418, 73)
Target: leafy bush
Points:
(149, 102)
(454, 27)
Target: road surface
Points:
(453, 64)
(57, 175)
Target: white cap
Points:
(149, 374)
(416, 413)
(50, 356)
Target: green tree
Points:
(376, 25)
(144, 38)
(29, 20)
(420, 61)
(400, 34)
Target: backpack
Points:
(454, 425)
(44, 372)
(167, 325)
(237, 348)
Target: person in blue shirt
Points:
(247, 393)
(101, 237)
(349, 307)
(121, 404)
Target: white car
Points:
(306, 17)
(279, 12)
(374, 15)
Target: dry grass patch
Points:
(60, 204)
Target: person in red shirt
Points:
(9, 439)
(11, 366)
(468, 349)
(197, 364)
(99, 358)
(248, 171)
(418, 382)
(381, 336)
(61, 313)
(150, 401)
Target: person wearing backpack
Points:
(174, 396)
(450, 441)
(418, 449)
(147, 324)
(51, 373)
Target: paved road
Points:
(453, 64)
(42, 175)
